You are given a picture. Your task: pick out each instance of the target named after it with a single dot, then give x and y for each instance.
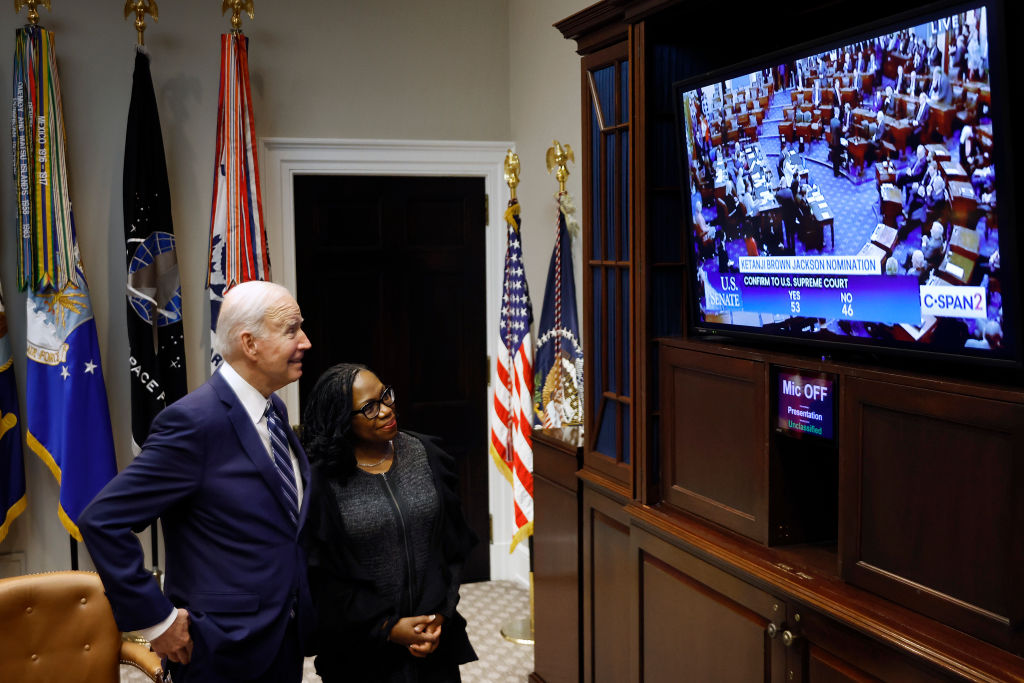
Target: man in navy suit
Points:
(225, 473)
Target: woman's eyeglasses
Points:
(371, 409)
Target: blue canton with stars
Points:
(516, 309)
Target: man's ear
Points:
(249, 345)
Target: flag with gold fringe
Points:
(66, 408)
(511, 411)
(12, 466)
(238, 237)
(558, 361)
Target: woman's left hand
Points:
(432, 629)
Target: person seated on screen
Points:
(940, 92)
(936, 201)
(933, 246)
(915, 213)
(918, 120)
(912, 172)
(899, 79)
(971, 156)
(917, 63)
(992, 337)
(933, 55)
(877, 134)
(889, 102)
(919, 267)
(892, 266)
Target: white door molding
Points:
(284, 158)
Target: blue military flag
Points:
(558, 360)
(12, 467)
(66, 401)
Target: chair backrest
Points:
(57, 627)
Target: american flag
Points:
(511, 410)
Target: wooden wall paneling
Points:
(556, 557)
(607, 588)
(715, 439)
(932, 514)
(698, 623)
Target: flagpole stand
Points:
(520, 631)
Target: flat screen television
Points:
(854, 192)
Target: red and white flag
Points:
(511, 411)
(238, 237)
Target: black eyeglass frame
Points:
(374, 404)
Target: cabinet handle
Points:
(788, 638)
(773, 630)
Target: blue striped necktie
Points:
(282, 459)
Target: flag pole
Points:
(519, 630)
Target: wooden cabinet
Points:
(931, 488)
(690, 566)
(699, 623)
(714, 447)
(606, 580)
(556, 555)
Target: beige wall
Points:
(381, 69)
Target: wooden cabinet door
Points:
(714, 459)
(827, 652)
(608, 589)
(930, 492)
(698, 623)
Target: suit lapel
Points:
(252, 445)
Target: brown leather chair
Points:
(58, 627)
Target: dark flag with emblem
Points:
(558, 360)
(155, 335)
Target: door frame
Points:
(284, 158)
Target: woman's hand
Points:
(420, 634)
(434, 629)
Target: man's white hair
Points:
(244, 309)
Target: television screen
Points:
(849, 193)
(806, 402)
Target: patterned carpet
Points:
(487, 607)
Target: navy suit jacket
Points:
(233, 554)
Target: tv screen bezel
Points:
(1005, 368)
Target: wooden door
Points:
(390, 273)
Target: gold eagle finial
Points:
(512, 171)
(141, 8)
(236, 7)
(559, 156)
(33, 13)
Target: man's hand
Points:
(420, 634)
(175, 643)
